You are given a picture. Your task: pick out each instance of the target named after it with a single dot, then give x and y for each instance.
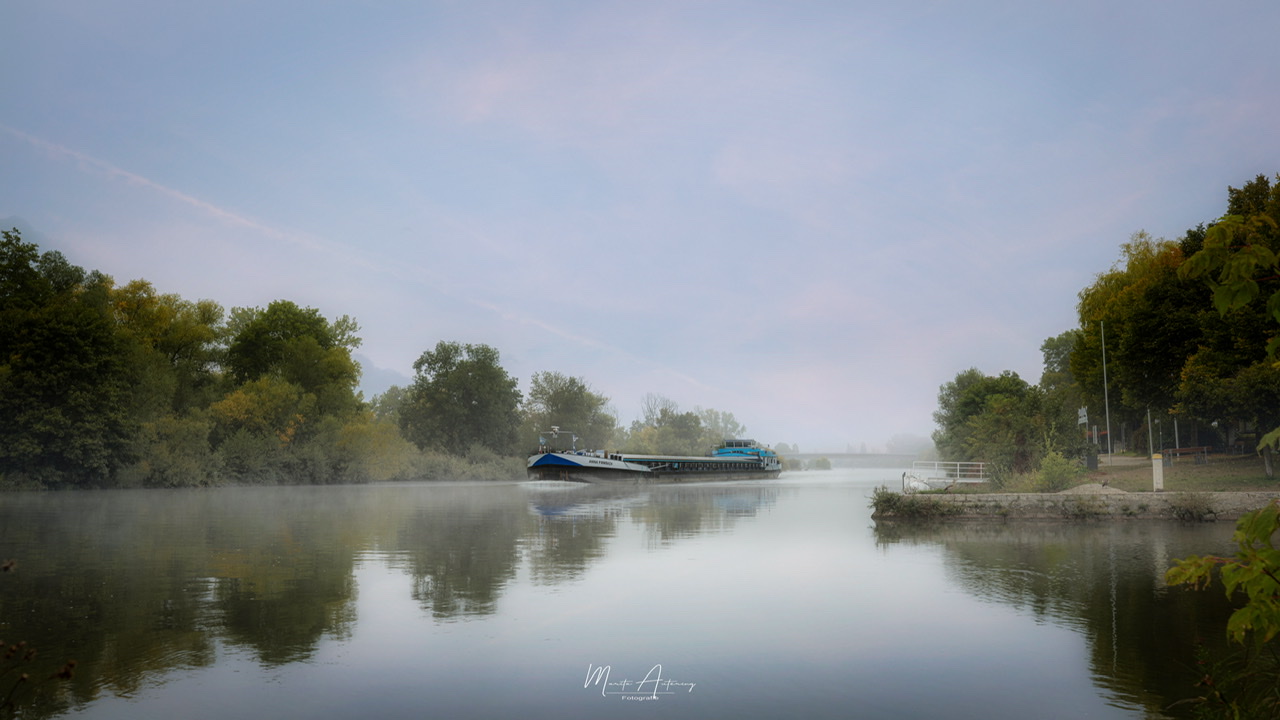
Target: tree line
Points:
(107, 385)
(1190, 335)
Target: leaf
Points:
(1242, 293)
(1259, 525)
(1273, 305)
(1253, 571)
(1271, 439)
(1262, 255)
(1241, 622)
(1232, 295)
(1233, 575)
(1196, 571)
(1196, 265)
(1221, 297)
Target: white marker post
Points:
(1157, 472)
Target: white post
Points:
(1157, 472)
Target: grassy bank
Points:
(1223, 488)
(1222, 473)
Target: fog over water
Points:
(757, 599)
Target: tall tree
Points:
(64, 390)
(1239, 260)
(1057, 359)
(1151, 326)
(174, 348)
(670, 433)
(556, 399)
(719, 425)
(984, 418)
(461, 396)
(299, 346)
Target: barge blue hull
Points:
(638, 469)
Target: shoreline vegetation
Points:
(107, 385)
(1223, 488)
(1177, 346)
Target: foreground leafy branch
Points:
(1254, 570)
(1246, 685)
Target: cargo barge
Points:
(732, 460)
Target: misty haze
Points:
(685, 360)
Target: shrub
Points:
(1085, 507)
(888, 503)
(1056, 472)
(1192, 507)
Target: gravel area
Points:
(1093, 489)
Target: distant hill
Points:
(375, 380)
(29, 233)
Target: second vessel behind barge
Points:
(732, 460)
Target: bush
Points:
(1057, 473)
(888, 503)
(1192, 507)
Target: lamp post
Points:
(1106, 401)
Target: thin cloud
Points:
(112, 172)
(413, 274)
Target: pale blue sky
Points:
(811, 214)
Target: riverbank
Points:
(1219, 487)
(1085, 502)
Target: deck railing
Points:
(965, 472)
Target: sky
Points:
(809, 214)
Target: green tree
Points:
(1151, 326)
(670, 432)
(461, 396)
(299, 346)
(1061, 397)
(718, 426)
(1004, 434)
(386, 405)
(258, 425)
(1057, 359)
(567, 402)
(1003, 421)
(1239, 260)
(964, 399)
(177, 341)
(64, 380)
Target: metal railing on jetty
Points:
(961, 472)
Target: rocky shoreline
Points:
(1085, 502)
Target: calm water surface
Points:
(763, 599)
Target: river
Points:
(763, 599)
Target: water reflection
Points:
(777, 597)
(136, 584)
(1105, 580)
